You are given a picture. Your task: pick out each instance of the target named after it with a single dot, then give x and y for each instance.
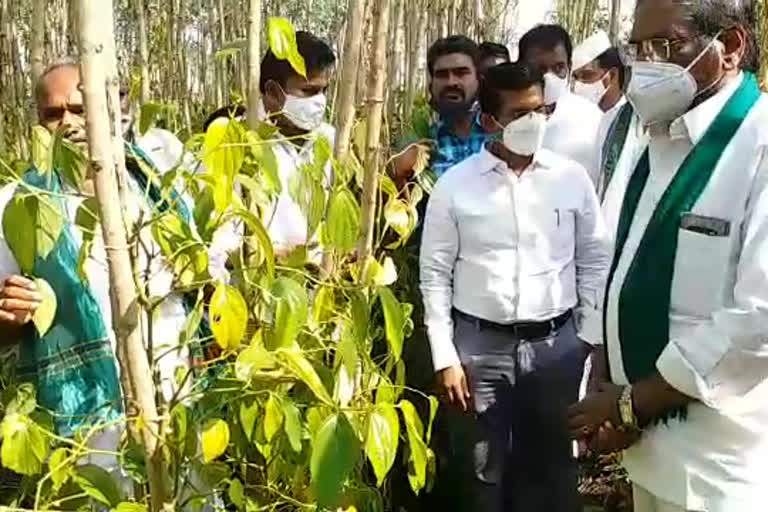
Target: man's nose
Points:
(69, 119)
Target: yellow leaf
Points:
(45, 313)
(229, 316)
(422, 158)
(215, 439)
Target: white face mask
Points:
(554, 88)
(593, 92)
(524, 136)
(305, 113)
(662, 91)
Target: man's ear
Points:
(273, 97)
(489, 124)
(734, 47)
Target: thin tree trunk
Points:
(135, 371)
(376, 87)
(254, 62)
(615, 20)
(141, 27)
(348, 80)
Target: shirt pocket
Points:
(557, 234)
(701, 272)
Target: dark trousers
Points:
(514, 450)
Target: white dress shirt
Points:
(572, 130)
(510, 248)
(602, 134)
(717, 459)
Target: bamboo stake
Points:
(348, 80)
(141, 27)
(134, 367)
(376, 87)
(254, 63)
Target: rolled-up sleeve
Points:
(439, 249)
(722, 360)
(592, 264)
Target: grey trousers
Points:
(514, 447)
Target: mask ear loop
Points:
(701, 55)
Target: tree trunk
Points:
(348, 80)
(143, 60)
(138, 389)
(376, 85)
(615, 20)
(254, 62)
(37, 41)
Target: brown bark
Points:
(348, 80)
(143, 53)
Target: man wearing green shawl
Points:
(685, 315)
(73, 365)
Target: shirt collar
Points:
(442, 128)
(694, 123)
(490, 162)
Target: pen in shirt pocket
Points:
(557, 213)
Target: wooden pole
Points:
(141, 29)
(348, 80)
(254, 62)
(138, 388)
(376, 85)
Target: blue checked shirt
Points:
(451, 150)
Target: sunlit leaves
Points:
(334, 453)
(256, 228)
(282, 43)
(229, 316)
(236, 493)
(50, 222)
(224, 154)
(273, 417)
(382, 439)
(394, 322)
(32, 226)
(98, 484)
(180, 246)
(342, 227)
(46, 311)
(417, 448)
(292, 424)
(128, 506)
(251, 361)
(86, 219)
(149, 113)
(215, 439)
(248, 414)
(297, 364)
(291, 307)
(59, 466)
(24, 446)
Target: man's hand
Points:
(586, 417)
(599, 372)
(453, 388)
(19, 300)
(610, 439)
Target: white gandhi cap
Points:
(590, 49)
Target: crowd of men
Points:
(606, 202)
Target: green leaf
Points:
(24, 400)
(203, 213)
(182, 247)
(42, 151)
(398, 216)
(360, 313)
(70, 161)
(334, 453)
(236, 493)
(46, 311)
(98, 484)
(291, 307)
(257, 229)
(229, 316)
(149, 113)
(60, 467)
(223, 157)
(282, 42)
(342, 227)
(323, 306)
(417, 448)
(128, 506)
(252, 360)
(292, 424)
(295, 361)
(215, 439)
(273, 417)
(347, 349)
(19, 220)
(50, 223)
(24, 446)
(249, 413)
(433, 406)
(394, 321)
(382, 439)
(322, 152)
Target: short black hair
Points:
(225, 112)
(491, 49)
(610, 58)
(318, 57)
(509, 76)
(546, 37)
(449, 45)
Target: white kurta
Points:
(602, 134)
(716, 460)
(572, 131)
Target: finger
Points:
(23, 306)
(579, 421)
(16, 317)
(465, 387)
(18, 292)
(460, 397)
(9, 318)
(450, 395)
(20, 281)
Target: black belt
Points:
(521, 330)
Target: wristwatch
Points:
(626, 409)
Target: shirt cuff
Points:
(444, 354)
(679, 373)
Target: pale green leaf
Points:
(46, 311)
(334, 453)
(397, 215)
(42, 150)
(149, 113)
(19, 220)
(433, 406)
(24, 401)
(323, 306)
(24, 446)
(268, 166)
(291, 307)
(347, 349)
(98, 484)
(282, 42)
(297, 364)
(322, 152)
(394, 322)
(342, 227)
(251, 361)
(128, 506)
(215, 439)
(256, 228)
(249, 413)
(236, 493)
(223, 157)
(417, 448)
(292, 424)
(229, 316)
(273, 417)
(382, 439)
(60, 467)
(360, 313)
(50, 223)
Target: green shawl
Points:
(73, 365)
(644, 299)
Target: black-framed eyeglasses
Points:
(658, 49)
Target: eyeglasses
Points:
(539, 110)
(656, 49)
